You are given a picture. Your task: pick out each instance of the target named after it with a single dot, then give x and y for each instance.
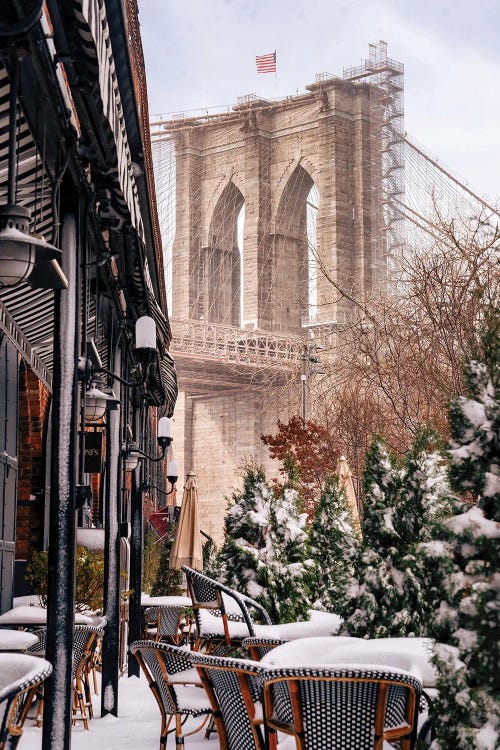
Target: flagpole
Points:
(275, 75)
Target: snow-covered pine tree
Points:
(372, 608)
(467, 709)
(394, 594)
(288, 595)
(424, 501)
(264, 550)
(333, 547)
(247, 527)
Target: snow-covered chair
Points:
(234, 689)
(20, 675)
(164, 623)
(175, 684)
(355, 707)
(223, 616)
(85, 639)
(257, 647)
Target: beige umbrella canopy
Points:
(186, 549)
(345, 480)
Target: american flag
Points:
(266, 63)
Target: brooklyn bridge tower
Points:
(262, 206)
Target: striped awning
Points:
(27, 315)
(94, 33)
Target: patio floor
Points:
(136, 728)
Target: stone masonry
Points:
(266, 156)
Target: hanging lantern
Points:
(97, 402)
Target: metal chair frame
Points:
(16, 699)
(160, 663)
(371, 707)
(208, 594)
(234, 688)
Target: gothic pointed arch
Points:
(289, 287)
(219, 286)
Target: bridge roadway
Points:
(211, 357)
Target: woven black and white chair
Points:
(348, 707)
(175, 684)
(234, 689)
(257, 647)
(20, 676)
(164, 623)
(84, 649)
(223, 617)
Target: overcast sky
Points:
(201, 53)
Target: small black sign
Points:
(93, 453)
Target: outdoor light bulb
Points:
(164, 433)
(132, 461)
(17, 257)
(145, 333)
(20, 251)
(96, 403)
(173, 472)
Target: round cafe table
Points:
(30, 617)
(409, 654)
(165, 601)
(16, 640)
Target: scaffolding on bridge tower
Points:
(386, 80)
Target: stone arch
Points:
(231, 176)
(220, 261)
(290, 278)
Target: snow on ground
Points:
(137, 726)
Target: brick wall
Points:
(34, 403)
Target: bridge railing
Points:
(234, 344)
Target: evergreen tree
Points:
(393, 595)
(468, 682)
(168, 581)
(333, 546)
(373, 598)
(264, 548)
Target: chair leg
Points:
(179, 739)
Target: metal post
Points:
(112, 518)
(136, 545)
(303, 379)
(61, 564)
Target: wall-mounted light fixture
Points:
(145, 351)
(172, 476)
(97, 403)
(23, 256)
(163, 438)
(132, 456)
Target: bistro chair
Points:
(85, 639)
(20, 676)
(175, 684)
(165, 623)
(223, 617)
(257, 647)
(349, 707)
(234, 689)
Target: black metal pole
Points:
(136, 545)
(61, 563)
(112, 518)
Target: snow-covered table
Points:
(409, 654)
(27, 617)
(16, 640)
(165, 601)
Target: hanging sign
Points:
(93, 453)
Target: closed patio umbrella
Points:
(186, 549)
(346, 483)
